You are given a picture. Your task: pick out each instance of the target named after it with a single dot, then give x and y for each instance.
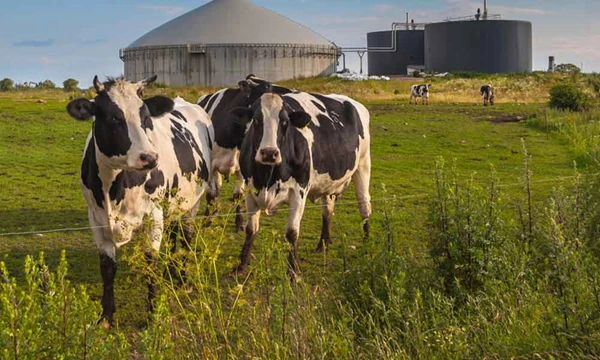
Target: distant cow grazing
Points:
(229, 133)
(420, 91)
(301, 146)
(143, 159)
(488, 95)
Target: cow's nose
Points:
(149, 161)
(269, 154)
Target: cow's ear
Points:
(81, 109)
(242, 115)
(300, 119)
(159, 105)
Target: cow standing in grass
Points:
(229, 133)
(420, 91)
(487, 93)
(143, 159)
(303, 146)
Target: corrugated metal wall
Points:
(225, 65)
(493, 46)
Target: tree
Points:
(567, 68)
(46, 84)
(6, 84)
(70, 85)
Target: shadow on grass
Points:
(24, 220)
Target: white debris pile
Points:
(352, 76)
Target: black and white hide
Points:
(420, 91)
(487, 93)
(143, 159)
(301, 146)
(229, 133)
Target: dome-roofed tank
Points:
(222, 41)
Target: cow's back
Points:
(338, 137)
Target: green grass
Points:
(41, 149)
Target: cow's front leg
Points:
(327, 214)
(297, 204)
(108, 270)
(156, 234)
(252, 226)
(238, 195)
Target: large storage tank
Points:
(223, 41)
(409, 50)
(489, 46)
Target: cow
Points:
(143, 159)
(420, 91)
(229, 134)
(488, 95)
(303, 146)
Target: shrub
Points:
(568, 97)
(46, 84)
(6, 84)
(70, 85)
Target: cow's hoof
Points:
(240, 270)
(105, 323)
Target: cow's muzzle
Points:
(269, 156)
(149, 161)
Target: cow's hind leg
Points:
(214, 191)
(182, 231)
(238, 195)
(327, 214)
(252, 225)
(361, 180)
(156, 234)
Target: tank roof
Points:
(230, 22)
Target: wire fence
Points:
(232, 214)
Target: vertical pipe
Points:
(485, 12)
(406, 21)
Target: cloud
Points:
(575, 46)
(383, 8)
(166, 9)
(345, 20)
(34, 43)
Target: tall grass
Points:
(497, 283)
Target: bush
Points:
(6, 84)
(568, 97)
(70, 85)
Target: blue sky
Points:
(57, 39)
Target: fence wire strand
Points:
(232, 214)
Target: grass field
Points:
(40, 153)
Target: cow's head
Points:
(271, 120)
(121, 122)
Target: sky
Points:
(59, 39)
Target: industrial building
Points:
(222, 41)
(479, 43)
(487, 46)
(405, 48)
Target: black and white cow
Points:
(420, 91)
(229, 133)
(488, 95)
(143, 159)
(301, 146)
